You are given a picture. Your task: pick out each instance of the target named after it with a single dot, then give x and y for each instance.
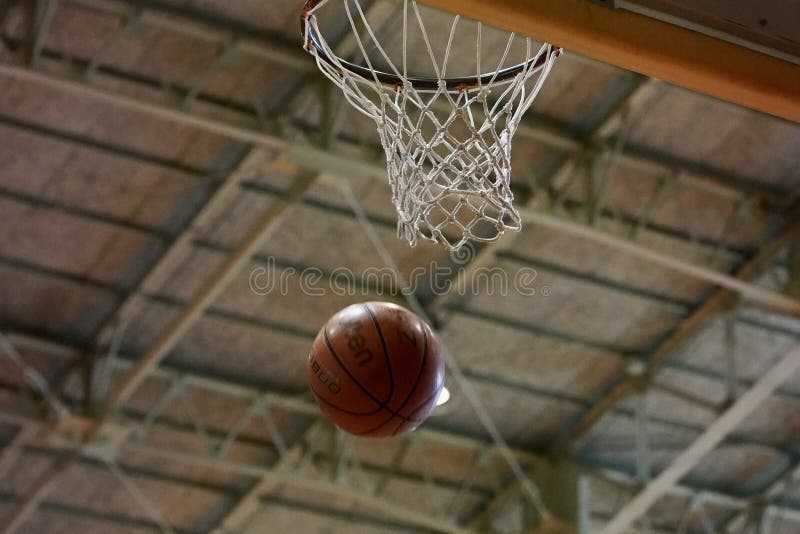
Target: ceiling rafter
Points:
(165, 343)
(179, 247)
(495, 381)
(649, 162)
(197, 25)
(149, 474)
(211, 290)
(627, 383)
(766, 499)
(646, 161)
(312, 157)
(751, 399)
(623, 108)
(250, 470)
(291, 401)
(25, 442)
(721, 299)
(286, 329)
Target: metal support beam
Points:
(236, 518)
(693, 175)
(308, 156)
(33, 379)
(247, 40)
(272, 475)
(717, 302)
(13, 450)
(332, 112)
(302, 482)
(768, 498)
(156, 233)
(132, 304)
(167, 341)
(43, 14)
(759, 295)
(124, 101)
(559, 481)
(41, 487)
(208, 294)
(486, 255)
(242, 133)
(750, 400)
(173, 117)
(140, 473)
(106, 148)
(303, 406)
(491, 382)
(541, 131)
(494, 381)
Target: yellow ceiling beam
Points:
(648, 46)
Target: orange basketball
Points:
(376, 369)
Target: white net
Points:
(447, 140)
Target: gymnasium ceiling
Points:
(146, 146)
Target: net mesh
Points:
(447, 140)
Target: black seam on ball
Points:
(349, 412)
(346, 370)
(356, 382)
(416, 382)
(385, 353)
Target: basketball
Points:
(376, 369)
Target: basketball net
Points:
(447, 140)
